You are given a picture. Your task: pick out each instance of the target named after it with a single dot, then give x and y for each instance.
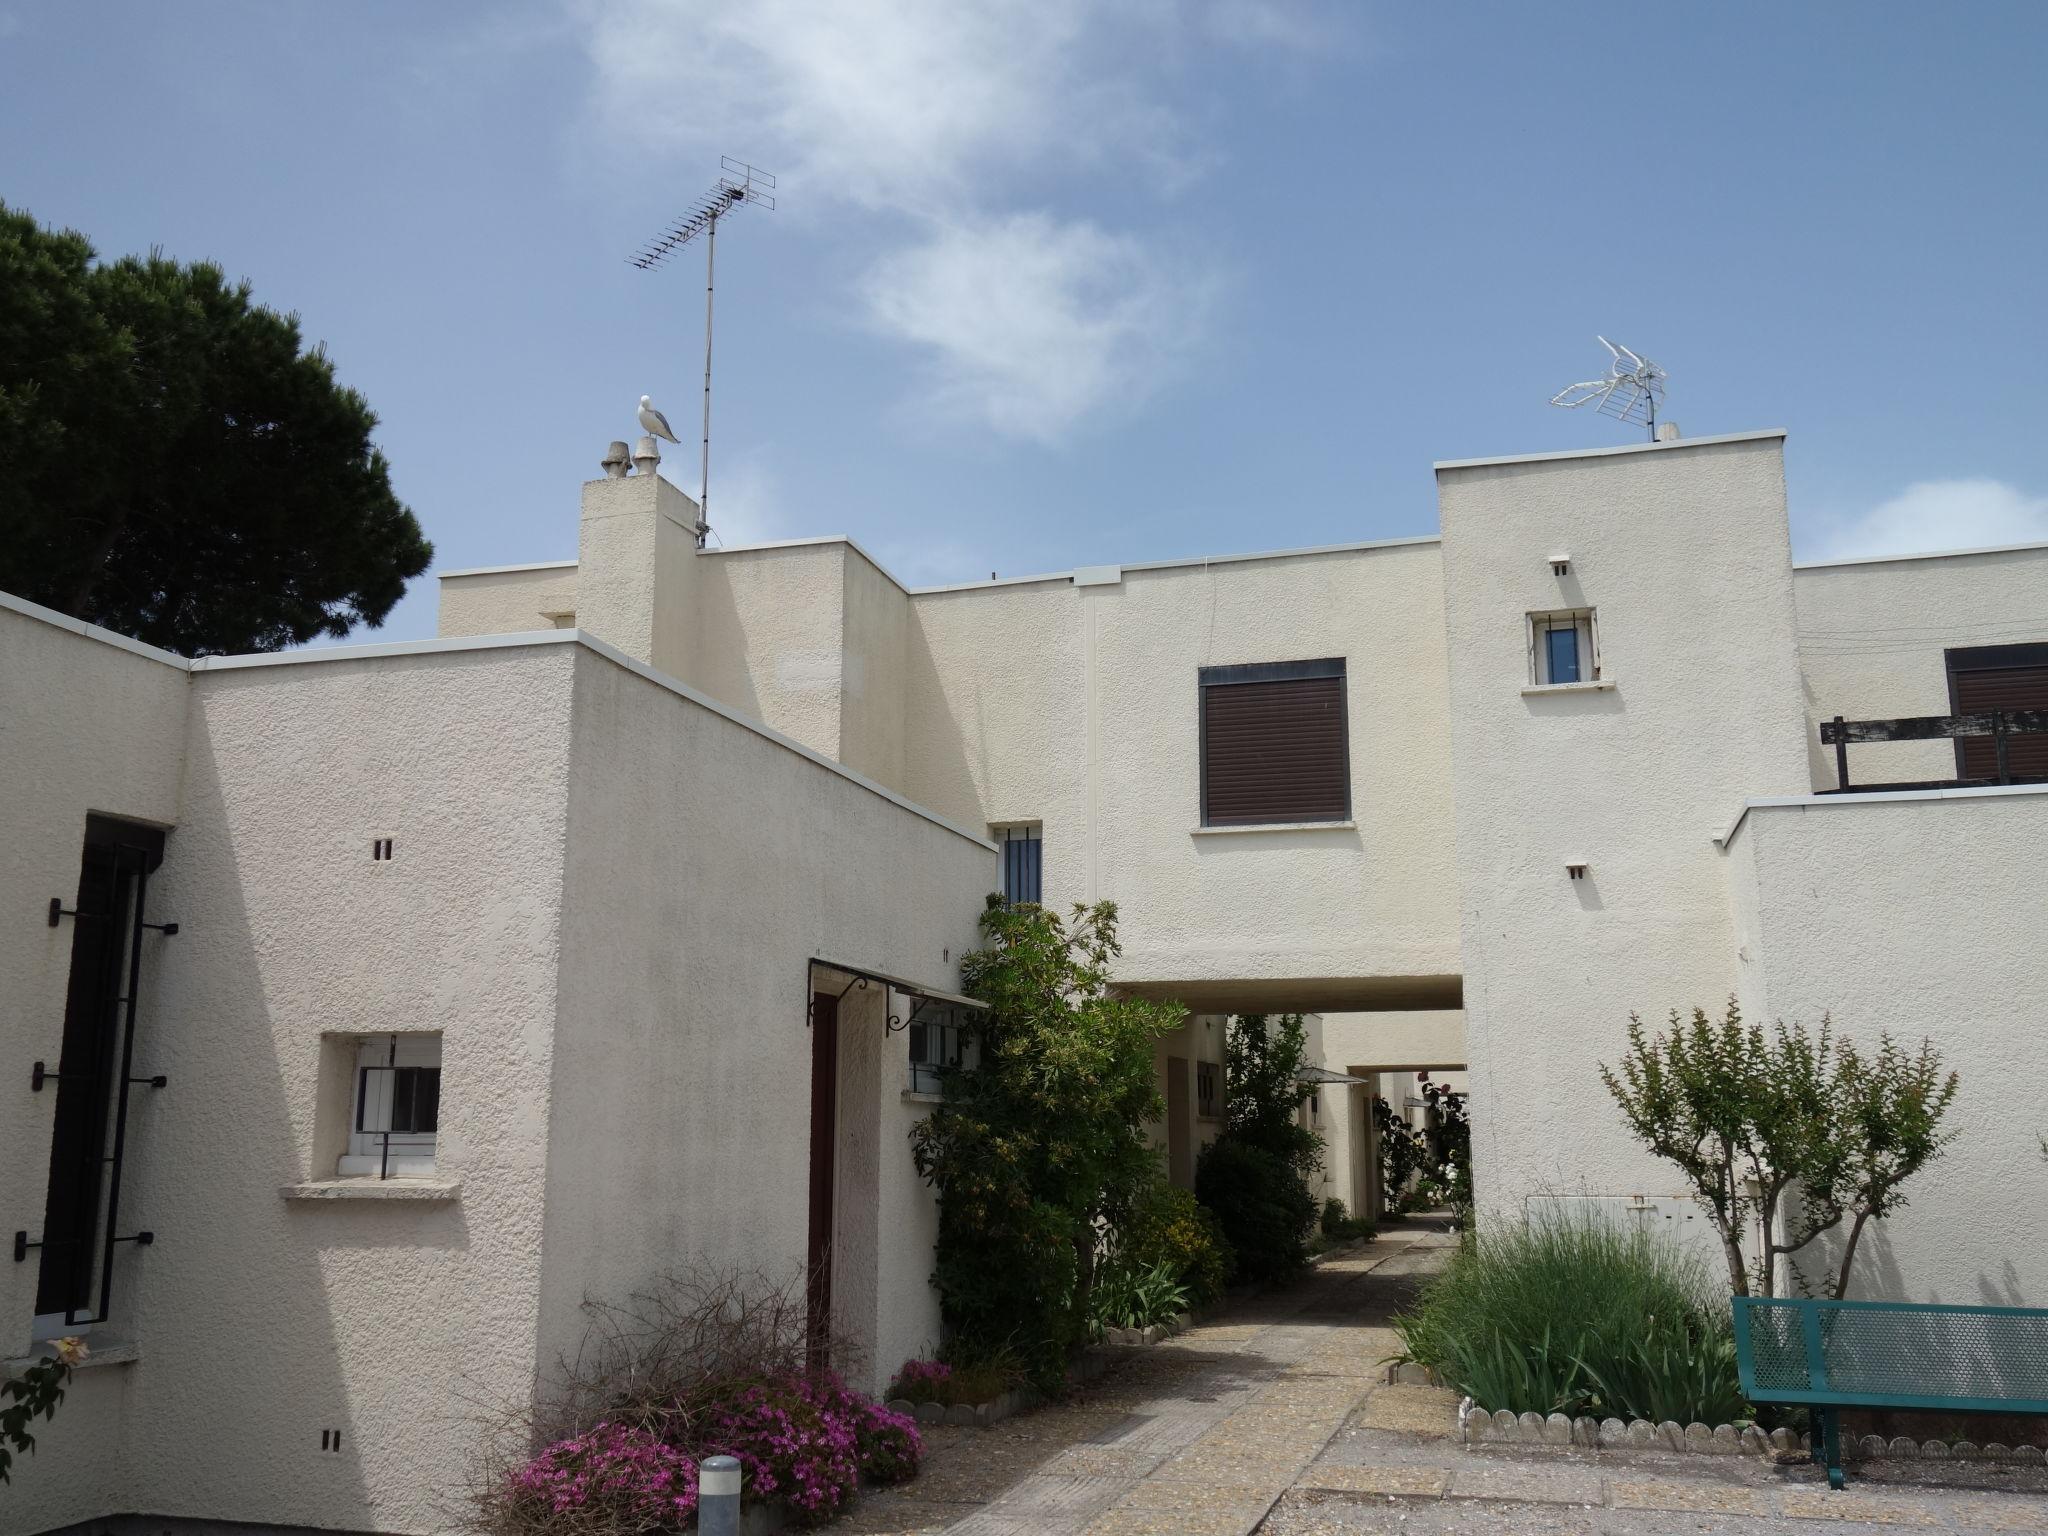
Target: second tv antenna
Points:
(738, 186)
(1632, 390)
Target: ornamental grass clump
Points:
(1574, 1314)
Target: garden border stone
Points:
(1478, 1426)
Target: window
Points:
(395, 1112)
(1275, 744)
(1209, 1089)
(99, 1075)
(1021, 846)
(939, 1038)
(1982, 678)
(1562, 648)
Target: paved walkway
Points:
(1274, 1417)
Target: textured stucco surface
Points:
(708, 867)
(1682, 550)
(1380, 1042)
(262, 1322)
(84, 727)
(1871, 643)
(1922, 917)
(771, 628)
(506, 602)
(1078, 707)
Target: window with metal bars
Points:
(396, 1111)
(1984, 678)
(1209, 1089)
(939, 1040)
(1275, 744)
(96, 1075)
(1023, 847)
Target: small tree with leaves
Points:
(1043, 1143)
(1255, 1175)
(1783, 1134)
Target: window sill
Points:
(1276, 826)
(1598, 685)
(97, 1353)
(374, 1189)
(919, 1096)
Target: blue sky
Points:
(1056, 283)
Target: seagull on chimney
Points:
(653, 421)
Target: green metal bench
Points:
(1831, 1355)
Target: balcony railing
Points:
(2024, 762)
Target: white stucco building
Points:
(591, 858)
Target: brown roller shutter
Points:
(1984, 678)
(1274, 746)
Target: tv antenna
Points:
(739, 185)
(1632, 390)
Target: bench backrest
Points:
(1893, 1354)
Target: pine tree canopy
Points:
(174, 467)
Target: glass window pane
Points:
(1561, 649)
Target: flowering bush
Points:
(610, 1476)
(803, 1442)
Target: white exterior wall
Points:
(771, 638)
(88, 726)
(262, 1321)
(375, 1317)
(1078, 706)
(1393, 1041)
(1872, 637)
(1922, 915)
(1682, 550)
(507, 601)
(708, 866)
(709, 862)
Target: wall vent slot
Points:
(380, 848)
(1576, 871)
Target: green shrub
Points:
(1127, 1296)
(1265, 1210)
(1339, 1225)
(1575, 1315)
(1043, 1143)
(1168, 1225)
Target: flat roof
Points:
(1603, 453)
(539, 637)
(1871, 797)
(507, 570)
(1930, 554)
(1188, 563)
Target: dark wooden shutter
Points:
(1274, 745)
(1984, 678)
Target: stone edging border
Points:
(1478, 1426)
(1087, 1365)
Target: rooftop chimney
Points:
(615, 461)
(646, 457)
(1667, 431)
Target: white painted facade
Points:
(605, 894)
(619, 845)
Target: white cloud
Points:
(1031, 319)
(1033, 324)
(1936, 515)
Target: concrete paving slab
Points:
(1530, 1485)
(1391, 1482)
(1869, 1509)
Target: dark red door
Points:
(824, 1139)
